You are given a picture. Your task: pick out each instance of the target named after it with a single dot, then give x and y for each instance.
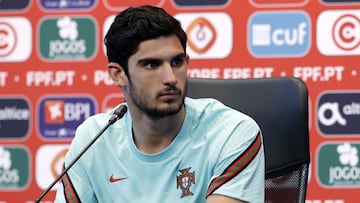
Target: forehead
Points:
(159, 47)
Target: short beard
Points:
(141, 103)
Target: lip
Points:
(171, 95)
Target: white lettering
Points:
(282, 37)
(58, 47)
(9, 176)
(75, 111)
(318, 73)
(12, 113)
(3, 76)
(243, 73)
(50, 78)
(352, 109)
(204, 73)
(101, 76)
(343, 174)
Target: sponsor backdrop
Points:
(53, 76)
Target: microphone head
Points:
(118, 113)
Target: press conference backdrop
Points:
(53, 76)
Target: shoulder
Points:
(218, 122)
(213, 109)
(90, 127)
(99, 120)
(95, 121)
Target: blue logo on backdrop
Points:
(13, 4)
(279, 34)
(60, 116)
(339, 113)
(15, 118)
(69, 4)
(200, 2)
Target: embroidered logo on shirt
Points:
(185, 180)
(113, 180)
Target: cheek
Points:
(182, 76)
(140, 87)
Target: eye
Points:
(151, 65)
(178, 61)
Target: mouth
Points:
(170, 95)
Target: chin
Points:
(169, 110)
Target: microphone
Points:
(118, 114)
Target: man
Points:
(167, 148)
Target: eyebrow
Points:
(145, 60)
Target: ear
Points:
(117, 74)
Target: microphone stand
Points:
(118, 113)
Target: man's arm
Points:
(239, 175)
(222, 199)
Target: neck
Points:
(154, 135)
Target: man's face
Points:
(157, 77)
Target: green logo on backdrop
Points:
(14, 168)
(338, 165)
(67, 38)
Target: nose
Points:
(169, 76)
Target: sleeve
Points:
(240, 169)
(75, 185)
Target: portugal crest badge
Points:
(185, 180)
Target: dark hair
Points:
(135, 25)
